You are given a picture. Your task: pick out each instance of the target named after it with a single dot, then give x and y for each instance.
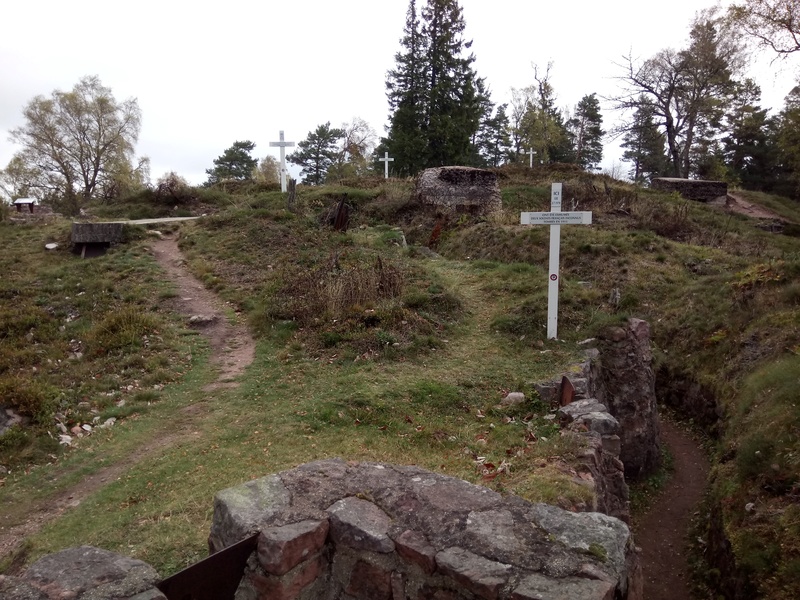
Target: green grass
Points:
(369, 350)
(74, 332)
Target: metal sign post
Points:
(555, 218)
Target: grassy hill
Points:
(373, 349)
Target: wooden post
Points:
(292, 193)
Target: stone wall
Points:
(459, 189)
(368, 531)
(96, 233)
(692, 189)
(627, 387)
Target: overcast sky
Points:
(208, 74)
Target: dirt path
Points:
(661, 531)
(232, 350)
(232, 347)
(739, 205)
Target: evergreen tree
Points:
(586, 131)
(405, 89)
(317, 153)
(542, 125)
(748, 149)
(235, 163)
(435, 96)
(644, 144)
(788, 145)
(493, 139)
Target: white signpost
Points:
(386, 160)
(282, 145)
(555, 218)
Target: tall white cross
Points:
(282, 145)
(386, 160)
(531, 152)
(555, 218)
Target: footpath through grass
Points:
(432, 405)
(372, 350)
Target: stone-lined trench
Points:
(366, 531)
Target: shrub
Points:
(121, 331)
(30, 398)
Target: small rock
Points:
(61, 427)
(86, 427)
(51, 246)
(750, 506)
(84, 405)
(65, 439)
(76, 430)
(201, 320)
(108, 423)
(513, 399)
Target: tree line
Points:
(687, 113)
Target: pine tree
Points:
(788, 144)
(493, 140)
(434, 94)
(748, 149)
(644, 145)
(542, 125)
(235, 163)
(317, 153)
(408, 100)
(586, 132)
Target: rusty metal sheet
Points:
(213, 578)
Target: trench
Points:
(661, 530)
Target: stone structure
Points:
(581, 413)
(692, 189)
(627, 388)
(96, 233)
(368, 531)
(459, 189)
(84, 573)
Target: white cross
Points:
(282, 145)
(555, 218)
(386, 160)
(531, 152)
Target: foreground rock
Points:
(369, 531)
(84, 573)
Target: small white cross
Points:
(386, 160)
(282, 145)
